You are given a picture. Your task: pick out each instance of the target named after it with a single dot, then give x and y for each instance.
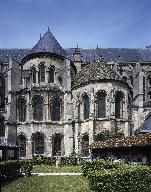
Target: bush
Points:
(107, 176)
(14, 168)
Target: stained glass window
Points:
(38, 105)
(55, 110)
(85, 145)
(86, 107)
(2, 93)
(21, 106)
(41, 73)
(2, 126)
(56, 150)
(22, 144)
(38, 144)
(51, 74)
(34, 75)
(118, 105)
(149, 80)
(101, 105)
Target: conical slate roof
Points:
(48, 43)
(98, 70)
(145, 128)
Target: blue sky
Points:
(108, 23)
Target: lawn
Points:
(48, 184)
(54, 169)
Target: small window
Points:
(34, 75)
(56, 109)
(86, 107)
(51, 74)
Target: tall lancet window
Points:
(55, 110)
(51, 74)
(42, 73)
(86, 103)
(101, 105)
(33, 75)
(21, 109)
(38, 105)
(38, 144)
(119, 105)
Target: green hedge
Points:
(14, 168)
(110, 177)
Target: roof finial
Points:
(48, 28)
(40, 35)
(77, 46)
(97, 46)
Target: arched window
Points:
(38, 144)
(149, 95)
(33, 75)
(86, 107)
(124, 78)
(42, 73)
(38, 105)
(51, 74)
(149, 81)
(55, 110)
(22, 145)
(56, 144)
(2, 126)
(2, 93)
(144, 83)
(99, 137)
(21, 109)
(85, 145)
(101, 105)
(119, 105)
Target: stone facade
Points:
(59, 109)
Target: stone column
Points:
(29, 149)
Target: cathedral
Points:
(56, 101)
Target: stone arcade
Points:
(56, 101)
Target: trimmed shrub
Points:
(14, 168)
(110, 177)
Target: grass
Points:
(54, 169)
(48, 184)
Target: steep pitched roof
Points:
(48, 43)
(98, 70)
(145, 128)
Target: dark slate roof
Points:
(17, 54)
(97, 70)
(145, 128)
(88, 55)
(111, 54)
(48, 43)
